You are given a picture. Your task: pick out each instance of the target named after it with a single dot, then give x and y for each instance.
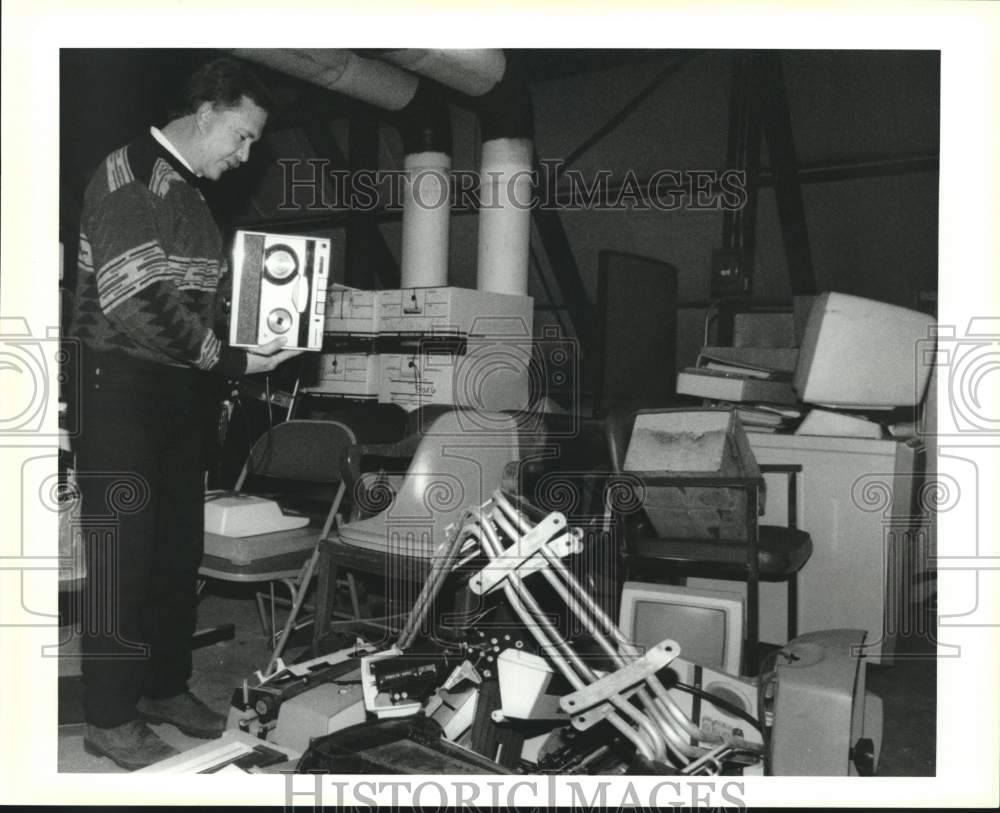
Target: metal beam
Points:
(739, 226)
(850, 169)
(819, 172)
(754, 112)
(369, 262)
(560, 254)
(777, 122)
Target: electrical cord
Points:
(724, 705)
(768, 662)
(239, 405)
(267, 398)
(768, 666)
(468, 620)
(378, 619)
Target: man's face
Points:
(226, 135)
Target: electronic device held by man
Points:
(279, 289)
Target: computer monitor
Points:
(862, 354)
(708, 624)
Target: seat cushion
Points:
(245, 550)
(781, 552)
(376, 562)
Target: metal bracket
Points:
(281, 669)
(580, 705)
(525, 555)
(464, 671)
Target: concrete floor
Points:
(908, 691)
(218, 669)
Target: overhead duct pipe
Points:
(505, 188)
(423, 121)
(343, 71)
(426, 131)
(472, 71)
(506, 184)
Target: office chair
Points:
(293, 453)
(404, 510)
(767, 552)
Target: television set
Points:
(708, 624)
(862, 354)
(826, 722)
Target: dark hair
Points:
(222, 82)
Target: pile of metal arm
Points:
(516, 680)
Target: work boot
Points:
(186, 712)
(132, 745)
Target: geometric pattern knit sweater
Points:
(151, 264)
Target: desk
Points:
(856, 501)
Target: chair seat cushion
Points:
(270, 568)
(244, 550)
(781, 552)
(377, 562)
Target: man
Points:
(148, 299)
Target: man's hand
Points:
(265, 357)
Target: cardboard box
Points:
(693, 443)
(352, 375)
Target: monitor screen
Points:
(707, 624)
(701, 631)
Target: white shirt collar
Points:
(162, 139)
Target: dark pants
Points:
(140, 463)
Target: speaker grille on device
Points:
(249, 304)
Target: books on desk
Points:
(719, 385)
(766, 360)
(764, 418)
(733, 374)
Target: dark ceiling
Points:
(109, 96)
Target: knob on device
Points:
(280, 263)
(279, 320)
(863, 756)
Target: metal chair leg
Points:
(752, 657)
(293, 591)
(352, 589)
(793, 606)
(298, 598)
(753, 587)
(271, 614)
(260, 611)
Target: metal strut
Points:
(631, 698)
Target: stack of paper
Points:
(731, 376)
(718, 386)
(767, 359)
(764, 418)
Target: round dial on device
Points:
(279, 321)
(280, 264)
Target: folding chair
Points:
(296, 452)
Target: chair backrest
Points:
(458, 462)
(617, 431)
(302, 450)
(722, 502)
